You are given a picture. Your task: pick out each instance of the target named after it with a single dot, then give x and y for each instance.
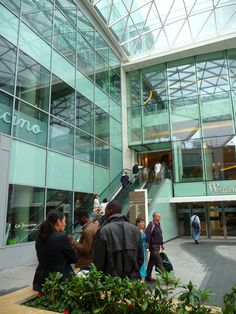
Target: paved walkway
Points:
(211, 264)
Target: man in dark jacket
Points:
(154, 243)
(125, 180)
(117, 247)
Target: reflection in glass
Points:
(102, 124)
(6, 105)
(38, 14)
(7, 65)
(61, 136)
(69, 8)
(61, 200)
(62, 100)
(84, 146)
(101, 47)
(81, 201)
(64, 36)
(32, 82)
(232, 67)
(84, 114)
(85, 56)
(212, 73)
(101, 73)
(133, 89)
(102, 153)
(13, 5)
(86, 28)
(24, 214)
(187, 161)
(219, 153)
(216, 110)
(115, 85)
(134, 125)
(30, 124)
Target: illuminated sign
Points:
(22, 123)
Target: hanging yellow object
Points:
(149, 97)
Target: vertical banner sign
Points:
(138, 202)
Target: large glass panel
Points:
(62, 100)
(114, 61)
(82, 182)
(61, 136)
(102, 153)
(64, 36)
(115, 133)
(6, 104)
(216, 110)
(182, 82)
(84, 146)
(102, 124)
(220, 155)
(101, 73)
(212, 73)
(7, 65)
(85, 56)
(84, 114)
(232, 67)
(59, 171)
(24, 214)
(116, 163)
(9, 24)
(230, 218)
(101, 47)
(187, 161)
(30, 124)
(115, 82)
(33, 45)
(216, 219)
(84, 86)
(27, 164)
(86, 28)
(133, 89)
(38, 14)
(69, 8)
(14, 5)
(134, 125)
(61, 200)
(32, 82)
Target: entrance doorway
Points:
(218, 219)
(148, 161)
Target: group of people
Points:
(117, 247)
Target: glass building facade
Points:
(59, 109)
(87, 88)
(188, 104)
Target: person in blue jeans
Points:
(196, 228)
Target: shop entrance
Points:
(148, 161)
(218, 219)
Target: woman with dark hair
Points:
(54, 250)
(140, 223)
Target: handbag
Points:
(166, 262)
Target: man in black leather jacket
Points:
(117, 248)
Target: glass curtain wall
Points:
(191, 103)
(59, 98)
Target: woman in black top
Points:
(54, 250)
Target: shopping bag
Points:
(166, 262)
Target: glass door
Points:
(216, 219)
(230, 218)
(200, 210)
(183, 211)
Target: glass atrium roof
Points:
(147, 27)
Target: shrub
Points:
(97, 293)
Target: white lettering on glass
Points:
(216, 188)
(22, 123)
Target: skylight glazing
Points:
(156, 26)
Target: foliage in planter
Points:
(96, 293)
(230, 302)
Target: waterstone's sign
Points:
(22, 123)
(219, 189)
